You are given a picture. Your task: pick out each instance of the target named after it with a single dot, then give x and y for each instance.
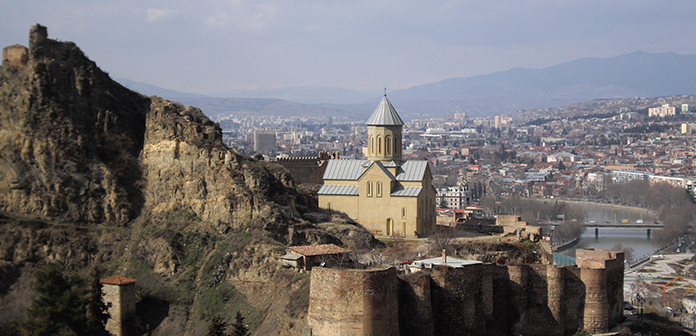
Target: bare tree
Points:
(442, 239)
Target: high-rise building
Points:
(264, 141)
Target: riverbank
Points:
(598, 204)
(566, 245)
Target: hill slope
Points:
(630, 75)
(92, 173)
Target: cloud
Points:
(159, 14)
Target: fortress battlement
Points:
(477, 299)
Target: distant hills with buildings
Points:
(638, 74)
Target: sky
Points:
(208, 46)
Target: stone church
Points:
(385, 194)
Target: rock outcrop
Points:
(91, 172)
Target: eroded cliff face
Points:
(69, 137)
(76, 146)
(92, 173)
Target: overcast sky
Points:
(207, 46)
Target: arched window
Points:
(372, 144)
(379, 189)
(369, 189)
(403, 212)
(379, 145)
(388, 145)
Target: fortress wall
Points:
(457, 300)
(499, 313)
(305, 169)
(555, 288)
(596, 313)
(15, 56)
(353, 302)
(477, 299)
(415, 307)
(613, 263)
(518, 296)
(573, 299)
(615, 279)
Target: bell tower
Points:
(384, 133)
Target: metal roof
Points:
(385, 115)
(118, 280)
(412, 170)
(391, 164)
(406, 191)
(338, 189)
(344, 169)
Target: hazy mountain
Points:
(630, 75)
(220, 108)
(152, 90)
(302, 94)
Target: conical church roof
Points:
(385, 115)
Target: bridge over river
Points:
(647, 226)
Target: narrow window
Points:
(369, 189)
(379, 189)
(379, 145)
(403, 212)
(388, 145)
(372, 145)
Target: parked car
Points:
(628, 306)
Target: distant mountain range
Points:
(637, 74)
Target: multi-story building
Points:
(457, 197)
(662, 111)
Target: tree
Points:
(60, 308)
(561, 166)
(217, 327)
(238, 327)
(97, 313)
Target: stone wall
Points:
(353, 302)
(480, 299)
(308, 169)
(120, 301)
(15, 56)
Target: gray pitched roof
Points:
(353, 169)
(412, 170)
(344, 169)
(384, 115)
(406, 191)
(338, 189)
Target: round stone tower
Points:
(384, 133)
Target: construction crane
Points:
(664, 289)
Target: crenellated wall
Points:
(479, 299)
(308, 169)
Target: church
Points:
(385, 194)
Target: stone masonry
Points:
(480, 299)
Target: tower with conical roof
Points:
(384, 133)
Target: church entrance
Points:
(390, 227)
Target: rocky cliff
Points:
(93, 173)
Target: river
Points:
(637, 239)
